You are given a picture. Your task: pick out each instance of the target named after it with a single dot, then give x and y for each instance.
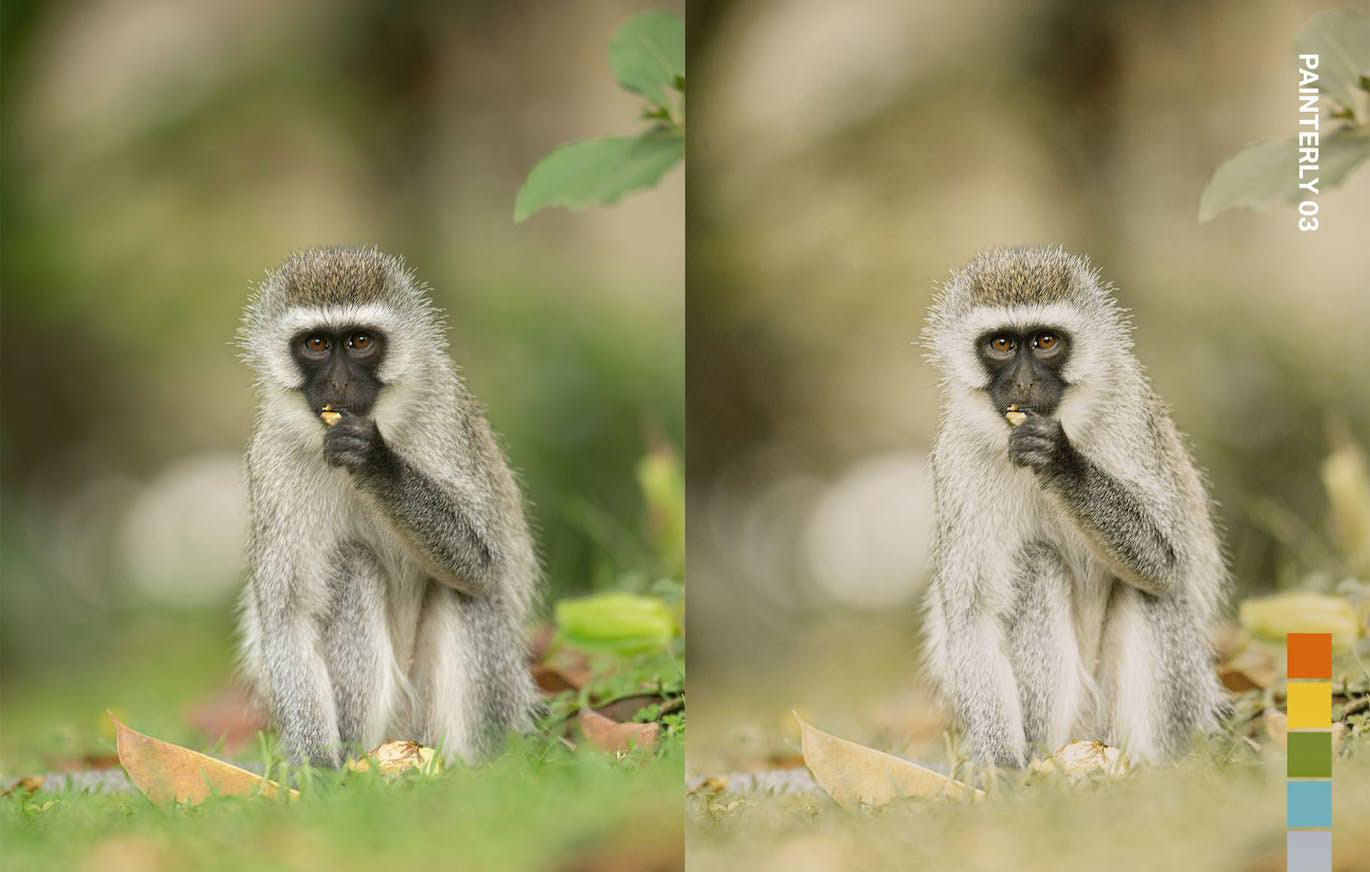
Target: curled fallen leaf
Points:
(855, 776)
(168, 773)
(609, 735)
(394, 758)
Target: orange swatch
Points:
(1310, 655)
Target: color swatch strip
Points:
(1309, 797)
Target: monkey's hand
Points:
(355, 444)
(1040, 444)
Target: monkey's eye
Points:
(1003, 344)
(317, 344)
(1045, 341)
(360, 342)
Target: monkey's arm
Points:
(433, 518)
(1115, 516)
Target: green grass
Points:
(1220, 807)
(1204, 813)
(538, 807)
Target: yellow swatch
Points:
(1310, 705)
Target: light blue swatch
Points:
(1310, 804)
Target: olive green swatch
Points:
(1310, 755)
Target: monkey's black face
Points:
(1025, 367)
(340, 367)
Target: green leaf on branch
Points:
(598, 171)
(620, 623)
(1341, 39)
(647, 55)
(1266, 173)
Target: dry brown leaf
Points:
(783, 761)
(609, 735)
(28, 784)
(568, 675)
(626, 708)
(711, 785)
(394, 758)
(1251, 667)
(1079, 758)
(854, 775)
(229, 716)
(168, 773)
(1240, 679)
(85, 763)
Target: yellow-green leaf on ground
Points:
(855, 776)
(1301, 611)
(617, 621)
(168, 773)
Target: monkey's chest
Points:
(1059, 581)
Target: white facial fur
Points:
(1098, 334)
(405, 348)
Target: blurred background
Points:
(846, 156)
(157, 158)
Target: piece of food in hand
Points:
(1014, 415)
(330, 415)
(394, 758)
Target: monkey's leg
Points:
(1041, 641)
(1128, 674)
(980, 683)
(299, 694)
(1155, 675)
(358, 649)
(469, 674)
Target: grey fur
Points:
(387, 595)
(1076, 562)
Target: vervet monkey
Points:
(1076, 565)
(391, 565)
